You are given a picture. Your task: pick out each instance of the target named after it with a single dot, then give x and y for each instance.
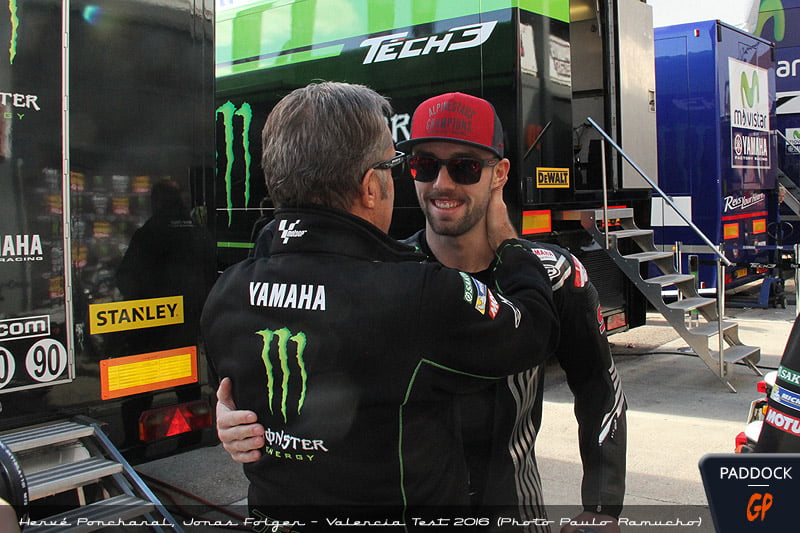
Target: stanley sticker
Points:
(135, 314)
(552, 178)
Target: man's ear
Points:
(500, 173)
(370, 189)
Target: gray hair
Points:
(319, 141)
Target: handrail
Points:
(789, 143)
(655, 187)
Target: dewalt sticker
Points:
(552, 178)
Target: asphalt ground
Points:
(678, 411)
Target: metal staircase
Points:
(705, 337)
(76, 459)
(699, 335)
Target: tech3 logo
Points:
(229, 111)
(288, 352)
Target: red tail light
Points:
(761, 386)
(173, 420)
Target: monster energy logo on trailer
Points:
(285, 339)
(228, 112)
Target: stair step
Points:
(737, 353)
(122, 507)
(46, 435)
(690, 304)
(709, 329)
(669, 279)
(649, 256)
(69, 476)
(628, 233)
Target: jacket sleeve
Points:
(516, 313)
(584, 354)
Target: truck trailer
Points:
(106, 150)
(715, 87)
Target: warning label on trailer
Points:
(123, 376)
(135, 314)
(552, 178)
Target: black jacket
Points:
(502, 463)
(349, 348)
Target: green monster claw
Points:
(267, 335)
(227, 110)
(247, 117)
(12, 48)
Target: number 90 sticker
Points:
(7, 367)
(46, 360)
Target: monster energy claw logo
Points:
(228, 112)
(285, 342)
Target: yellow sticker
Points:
(552, 178)
(123, 376)
(135, 314)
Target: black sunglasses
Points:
(462, 170)
(389, 164)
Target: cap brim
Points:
(407, 145)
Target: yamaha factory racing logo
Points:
(399, 46)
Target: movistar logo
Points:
(772, 9)
(280, 359)
(229, 112)
(751, 93)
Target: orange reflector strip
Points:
(731, 231)
(536, 222)
(760, 226)
(123, 376)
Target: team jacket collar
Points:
(324, 230)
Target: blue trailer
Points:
(717, 156)
(777, 22)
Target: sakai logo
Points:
(280, 358)
(229, 112)
(397, 46)
(288, 232)
(758, 505)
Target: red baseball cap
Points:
(456, 117)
